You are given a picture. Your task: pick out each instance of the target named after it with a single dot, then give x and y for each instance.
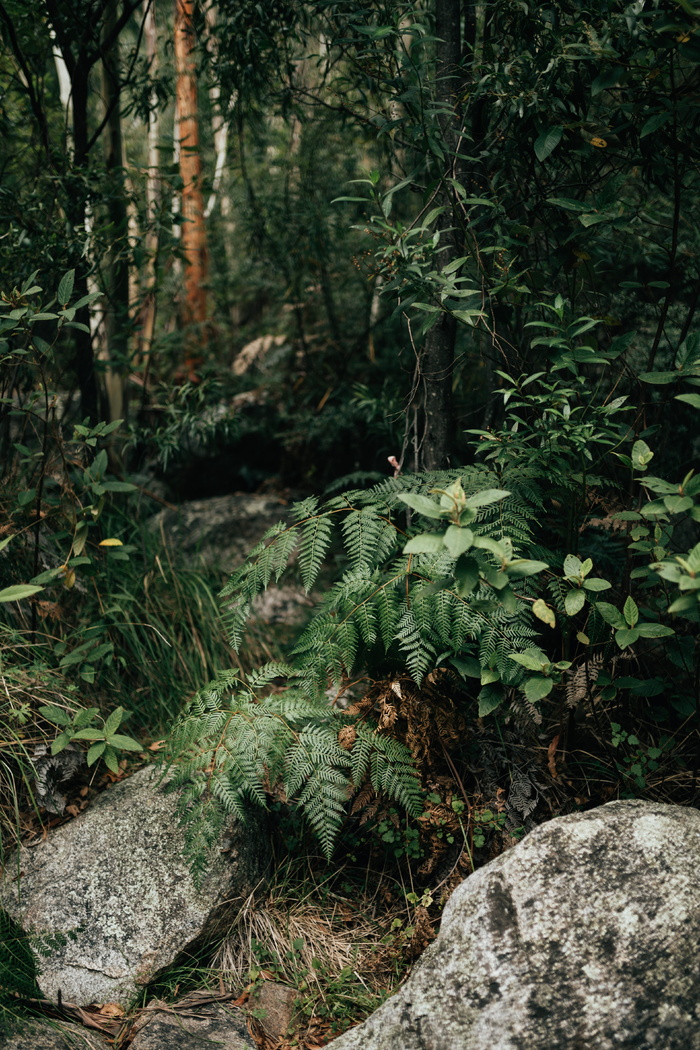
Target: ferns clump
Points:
(406, 600)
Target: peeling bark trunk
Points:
(219, 122)
(116, 275)
(193, 231)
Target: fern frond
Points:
(361, 531)
(315, 539)
(235, 616)
(393, 773)
(324, 804)
(420, 653)
(388, 603)
(262, 676)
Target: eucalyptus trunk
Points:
(193, 230)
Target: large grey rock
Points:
(114, 884)
(584, 936)
(219, 531)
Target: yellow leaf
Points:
(110, 543)
(600, 143)
(543, 612)
(69, 580)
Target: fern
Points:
(230, 747)
(315, 540)
(236, 741)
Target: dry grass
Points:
(342, 949)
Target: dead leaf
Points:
(110, 1010)
(347, 737)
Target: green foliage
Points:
(106, 742)
(234, 744)
(469, 593)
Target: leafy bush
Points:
(478, 599)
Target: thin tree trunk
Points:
(219, 121)
(77, 211)
(193, 231)
(116, 278)
(439, 347)
(146, 321)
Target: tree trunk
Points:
(76, 209)
(439, 348)
(194, 240)
(146, 320)
(116, 274)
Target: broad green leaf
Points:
(654, 630)
(568, 204)
(608, 78)
(654, 123)
(489, 675)
(536, 688)
(114, 720)
(486, 496)
(458, 540)
(690, 399)
(611, 615)
(547, 142)
(532, 660)
(126, 743)
(119, 486)
(572, 565)
(630, 611)
(65, 287)
(657, 378)
(80, 537)
(89, 734)
(489, 700)
(677, 504)
(466, 575)
(60, 742)
(111, 760)
(626, 637)
(575, 601)
(525, 567)
(641, 455)
(18, 591)
(427, 543)
(683, 604)
(596, 584)
(467, 665)
(56, 715)
(421, 504)
(95, 752)
(494, 546)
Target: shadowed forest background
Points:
(427, 274)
